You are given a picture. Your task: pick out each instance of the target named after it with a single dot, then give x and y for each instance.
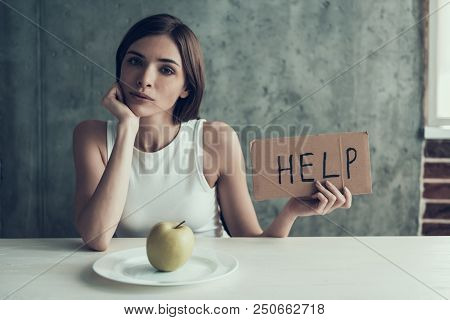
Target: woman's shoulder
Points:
(220, 141)
(216, 127)
(93, 131)
(218, 135)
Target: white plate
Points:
(132, 266)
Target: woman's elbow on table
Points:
(97, 244)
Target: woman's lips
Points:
(141, 96)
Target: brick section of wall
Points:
(436, 194)
(437, 149)
(437, 170)
(436, 191)
(436, 229)
(437, 211)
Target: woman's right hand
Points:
(114, 102)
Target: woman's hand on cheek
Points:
(324, 201)
(113, 101)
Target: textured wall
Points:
(261, 58)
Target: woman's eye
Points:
(134, 61)
(167, 70)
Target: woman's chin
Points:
(144, 111)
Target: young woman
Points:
(158, 161)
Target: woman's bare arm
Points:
(100, 191)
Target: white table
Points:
(290, 268)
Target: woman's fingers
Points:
(348, 198)
(331, 197)
(119, 93)
(113, 102)
(340, 198)
(323, 201)
(110, 94)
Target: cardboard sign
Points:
(289, 166)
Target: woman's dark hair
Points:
(190, 52)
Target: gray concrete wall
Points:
(357, 65)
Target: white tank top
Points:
(169, 185)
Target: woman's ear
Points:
(184, 94)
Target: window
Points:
(438, 86)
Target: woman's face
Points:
(152, 66)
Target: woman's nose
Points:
(147, 78)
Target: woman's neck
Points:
(155, 133)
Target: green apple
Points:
(169, 245)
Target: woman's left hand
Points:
(324, 201)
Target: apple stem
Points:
(180, 224)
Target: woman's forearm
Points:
(281, 225)
(98, 220)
